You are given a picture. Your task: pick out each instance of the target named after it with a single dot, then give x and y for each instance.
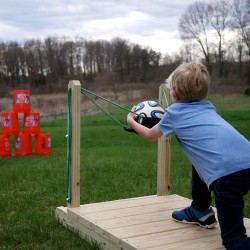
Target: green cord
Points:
(103, 98)
(103, 109)
(84, 91)
(69, 141)
(163, 93)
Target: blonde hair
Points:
(190, 81)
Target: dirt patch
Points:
(57, 104)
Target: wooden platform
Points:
(140, 223)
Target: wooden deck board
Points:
(139, 223)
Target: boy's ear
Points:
(175, 95)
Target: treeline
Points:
(216, 33)
(49, 64)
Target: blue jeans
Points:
(228, 191)
(201, 196)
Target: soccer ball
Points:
(149, 113)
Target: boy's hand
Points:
(131, 115)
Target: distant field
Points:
(231, 103)
(114, 165)
(56, 103)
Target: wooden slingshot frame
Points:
(163, 159)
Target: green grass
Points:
(114, 165)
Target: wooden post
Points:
(75, 87)
(163, 164)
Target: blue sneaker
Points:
(190, 215)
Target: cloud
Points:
(150, 23)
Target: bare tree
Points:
(79, 51)
(241, 20)
(89, 58)
(194, 27)
(3, 71)
(218, 17)
(240, 23)
(31, 60)
(120, 58)
(14, 61)
(53, 67)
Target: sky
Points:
(149, 23)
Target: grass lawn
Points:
(114, 165)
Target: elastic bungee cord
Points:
(85, 92)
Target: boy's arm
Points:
(150, 134)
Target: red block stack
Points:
(31, 127)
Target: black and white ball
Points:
(149, 113)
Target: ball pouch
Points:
(147, 122)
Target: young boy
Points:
(219, 154)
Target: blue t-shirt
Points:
(213, 146)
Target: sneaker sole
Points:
(211, 226)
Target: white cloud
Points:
(149, 23)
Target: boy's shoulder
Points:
(190, 105)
